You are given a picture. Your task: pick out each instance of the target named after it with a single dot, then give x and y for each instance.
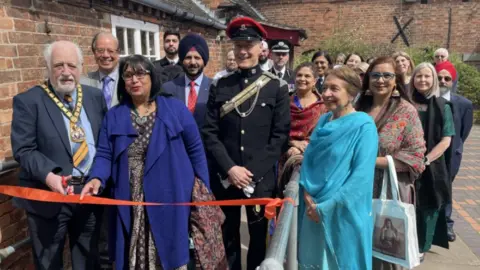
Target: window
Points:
(136, 37)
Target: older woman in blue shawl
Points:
(336, 182)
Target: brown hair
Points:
(365, 102)
(309, 65)
(404, 54)
(347, 74)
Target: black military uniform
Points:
(253, 135)
(282, 46)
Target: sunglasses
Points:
(387, 76)
(446, 78)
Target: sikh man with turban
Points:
(463, 119)
(192, 88)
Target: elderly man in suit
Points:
(55, 128)
(463, 116)
(192, 88)
(106, 52)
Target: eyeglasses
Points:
(102, 51)
(128, 76)
(440, 56)
(387, 76)
(446, 78)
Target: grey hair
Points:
(441, 50)
(47, 53)
(435, 90)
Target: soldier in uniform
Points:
(280, 57)
(245, 132)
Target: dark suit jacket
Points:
(176, 88)
(167, 72)
(289, 75)
(40, 140)
(463, 118)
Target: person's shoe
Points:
(451, 235)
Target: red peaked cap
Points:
(448, 66)
(245, 28)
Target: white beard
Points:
(65, 87)
(444, 90)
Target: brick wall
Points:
(373, 19)
(23, 35)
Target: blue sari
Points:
(337, 171)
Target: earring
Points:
(368, 92)
(395, 92)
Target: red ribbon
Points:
(49, 196)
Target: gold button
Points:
(243, 131)
(241, 148)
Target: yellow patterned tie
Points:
(80, 150)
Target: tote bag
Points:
(395, 226)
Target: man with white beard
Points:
(55, 128)
(463, 118)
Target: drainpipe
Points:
(181, 13)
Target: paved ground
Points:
(464, 254)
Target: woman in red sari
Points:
(306, 107)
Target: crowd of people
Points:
(164, 132)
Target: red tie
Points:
(192, 97)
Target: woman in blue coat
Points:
(150, 148)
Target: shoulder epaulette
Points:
(214, 82)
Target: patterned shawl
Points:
(304, 120)
(402, 138)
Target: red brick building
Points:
(374, 21)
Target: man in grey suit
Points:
(55, 128)
(106, 51)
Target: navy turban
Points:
(193, 41)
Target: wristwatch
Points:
(426, 161)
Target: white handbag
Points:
(395, 226)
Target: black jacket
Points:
(256, 141)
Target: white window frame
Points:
(137, 26)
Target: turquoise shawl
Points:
(337, 171)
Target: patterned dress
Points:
(142, 251)
(402, 138)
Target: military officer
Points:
(281, 57)
(245, 132)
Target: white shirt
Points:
(172, 60)
(447, 96)
(198, 82)
(284, 69)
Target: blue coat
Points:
(463, 118)
(174, 157)
(176, 87)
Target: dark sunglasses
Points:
(446, 78)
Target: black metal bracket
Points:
(401, 30)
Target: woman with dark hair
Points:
(324, 62)
(434, 187)
(388, 235)
(353, 60)
(399, 129)
(336, 182)
(306, 107)
(150, 149)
